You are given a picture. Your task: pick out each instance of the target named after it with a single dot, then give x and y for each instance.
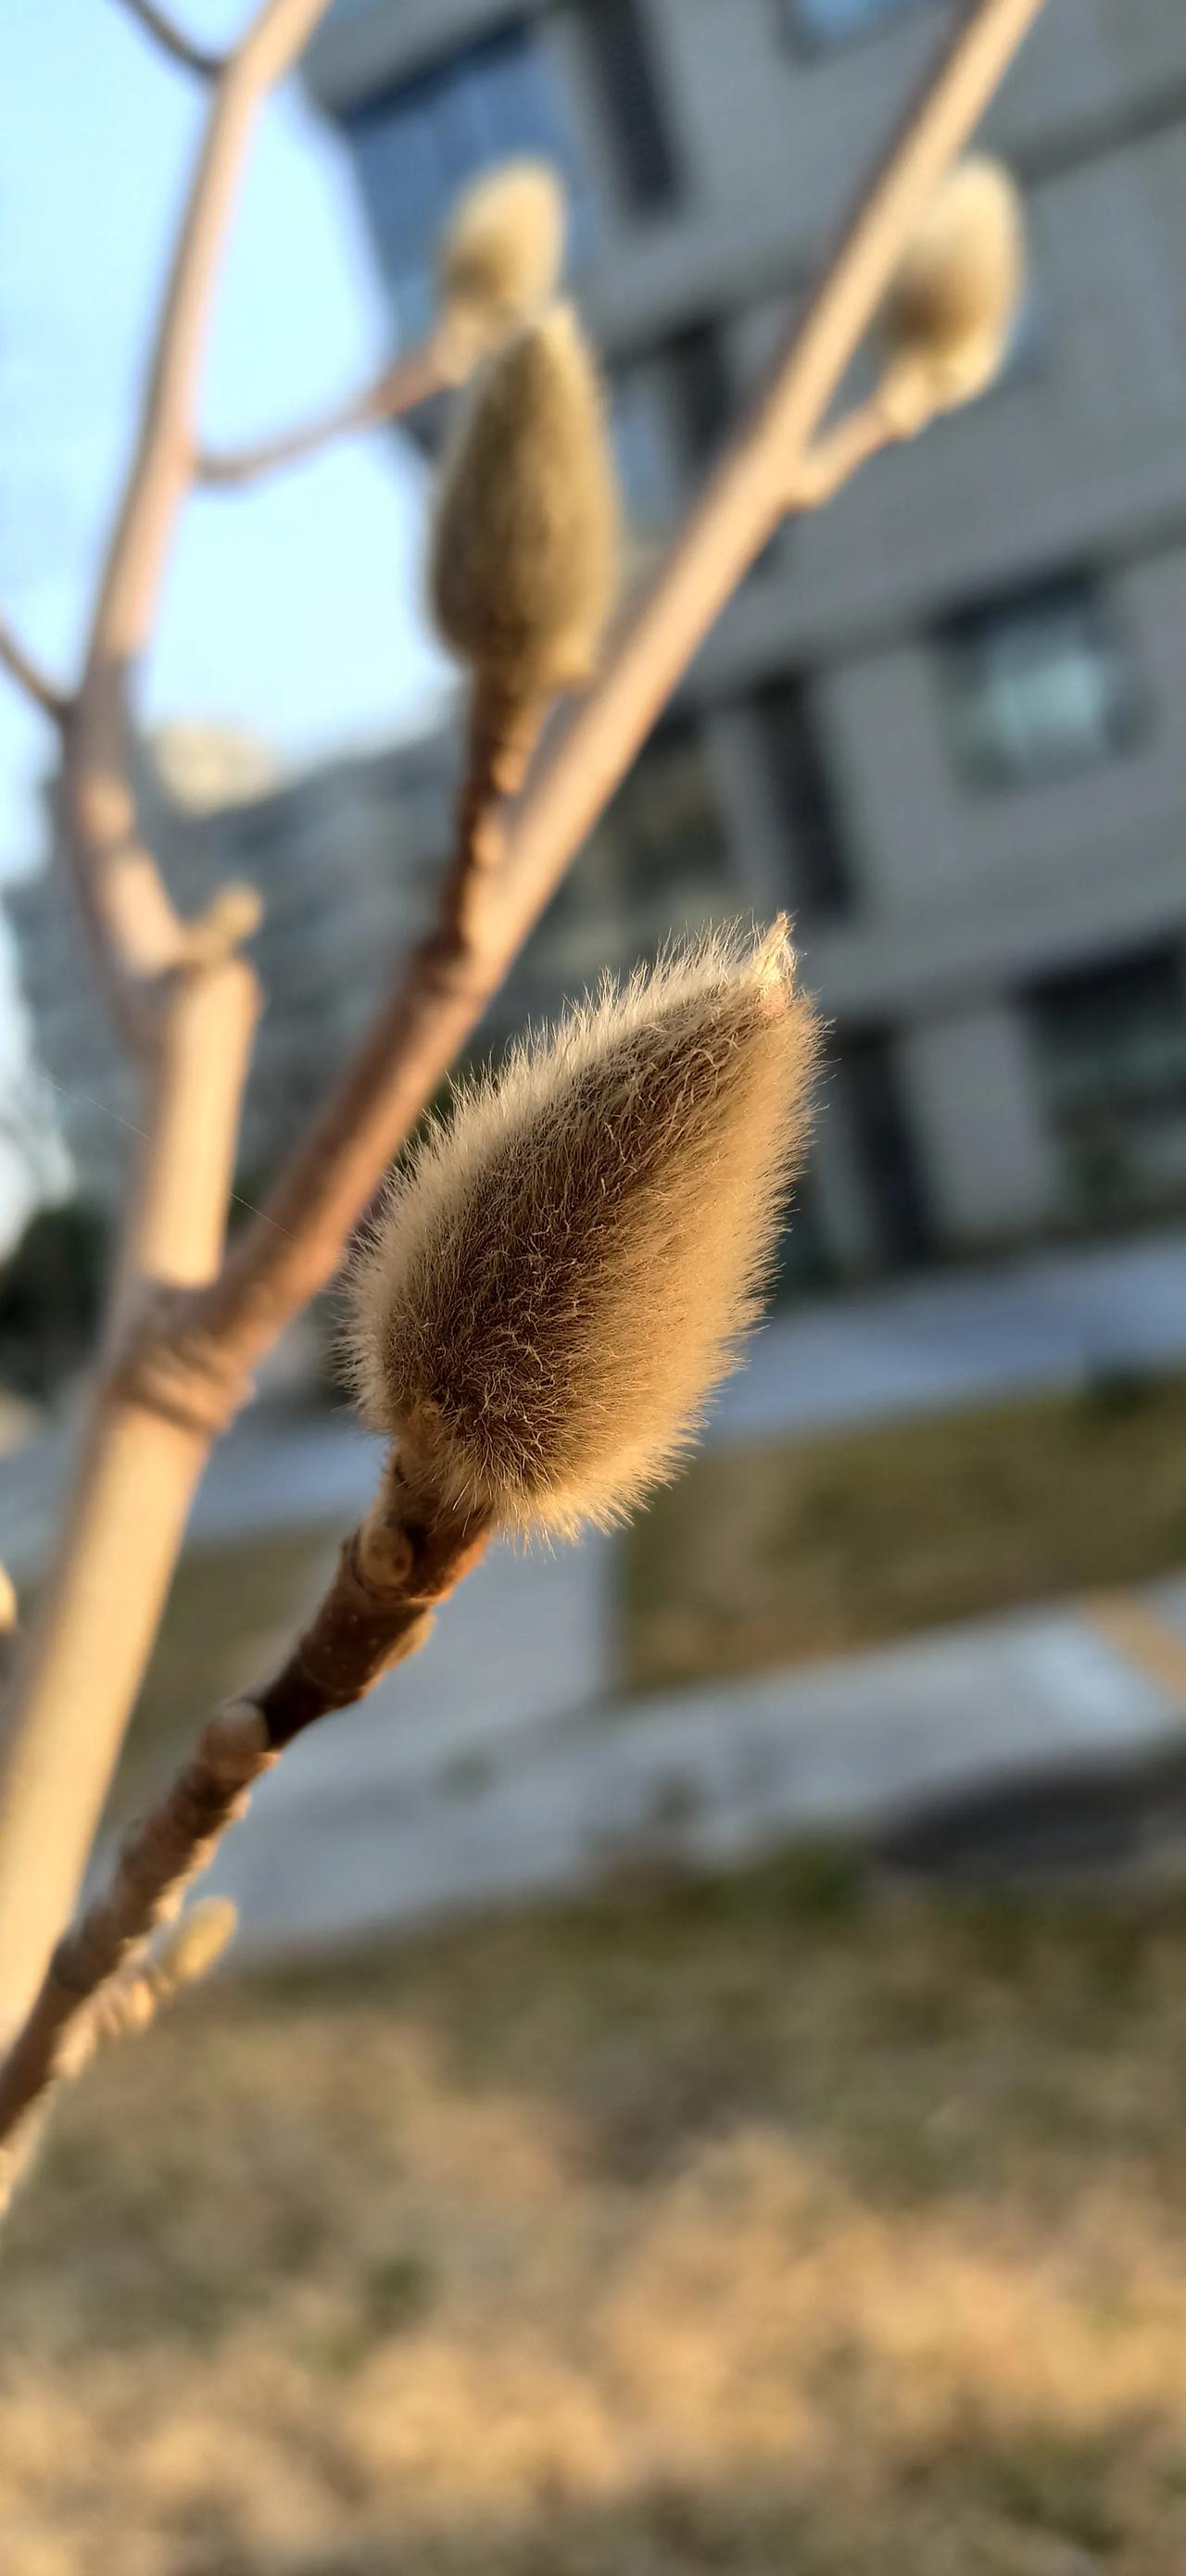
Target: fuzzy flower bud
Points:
(525, 539)
(500, 255)
(564, 1267)
(953, 303)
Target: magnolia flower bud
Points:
(564, 1267)
(500, 255)
(525, 538)
(954, 300)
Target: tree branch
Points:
(142, 1455)
(137, 934)
(393, 1570)
(410, 380)
(157, 25)
(29, 677)
(289, 1252)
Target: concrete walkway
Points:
(387, 1815)
(926, 1345)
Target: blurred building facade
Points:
(940, 719)
(346, 859)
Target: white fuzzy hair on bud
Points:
(501, 252)
(564, 1266)
(954, 300)
(524, 549)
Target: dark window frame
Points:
(823, 886)
(955, 637)
(625, 77)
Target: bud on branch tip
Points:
(525, 538)
(954, 300)
(564, 1266)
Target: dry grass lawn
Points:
(787, 2228)
(765, 1553)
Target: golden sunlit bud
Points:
(563, 1268)
(192, 1946)
(953, 303)
(500, 255)
(525, 540)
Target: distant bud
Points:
(501, 252)
(955, 298)
(525, 541)
(563, 1270)
(190, 1949)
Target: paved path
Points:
(1049, 1319)
(385, 1816)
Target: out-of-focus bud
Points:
(524, 549)
(951, 309)
(499, 258)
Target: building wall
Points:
(830, 717)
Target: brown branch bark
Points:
(289, 1253)
(181, 1373)
(410, 380)
(30, 677)
(393, 1570)
(194, 57)
(142, 1454)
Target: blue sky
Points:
(290, 610)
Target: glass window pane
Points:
(417, 145)
(817, 25)
(1036, 684)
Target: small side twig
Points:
(440, 363)
(196, 58)
(393, 1569)
(30, 677)
(502, 736)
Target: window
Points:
(821, 881)
(417, 145)
(640, 448)
(1036, 685)
(631, 104)
(700, 391)
(662, 852)
(817, 26)
(1111, 1048)
(867, 1091)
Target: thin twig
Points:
(170, 38)
(393, 1570)
(29, 676)
(137, 934)
(501, 739)
(409, 381)
(191, 1014)
(832, 462)
(293, 1247)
